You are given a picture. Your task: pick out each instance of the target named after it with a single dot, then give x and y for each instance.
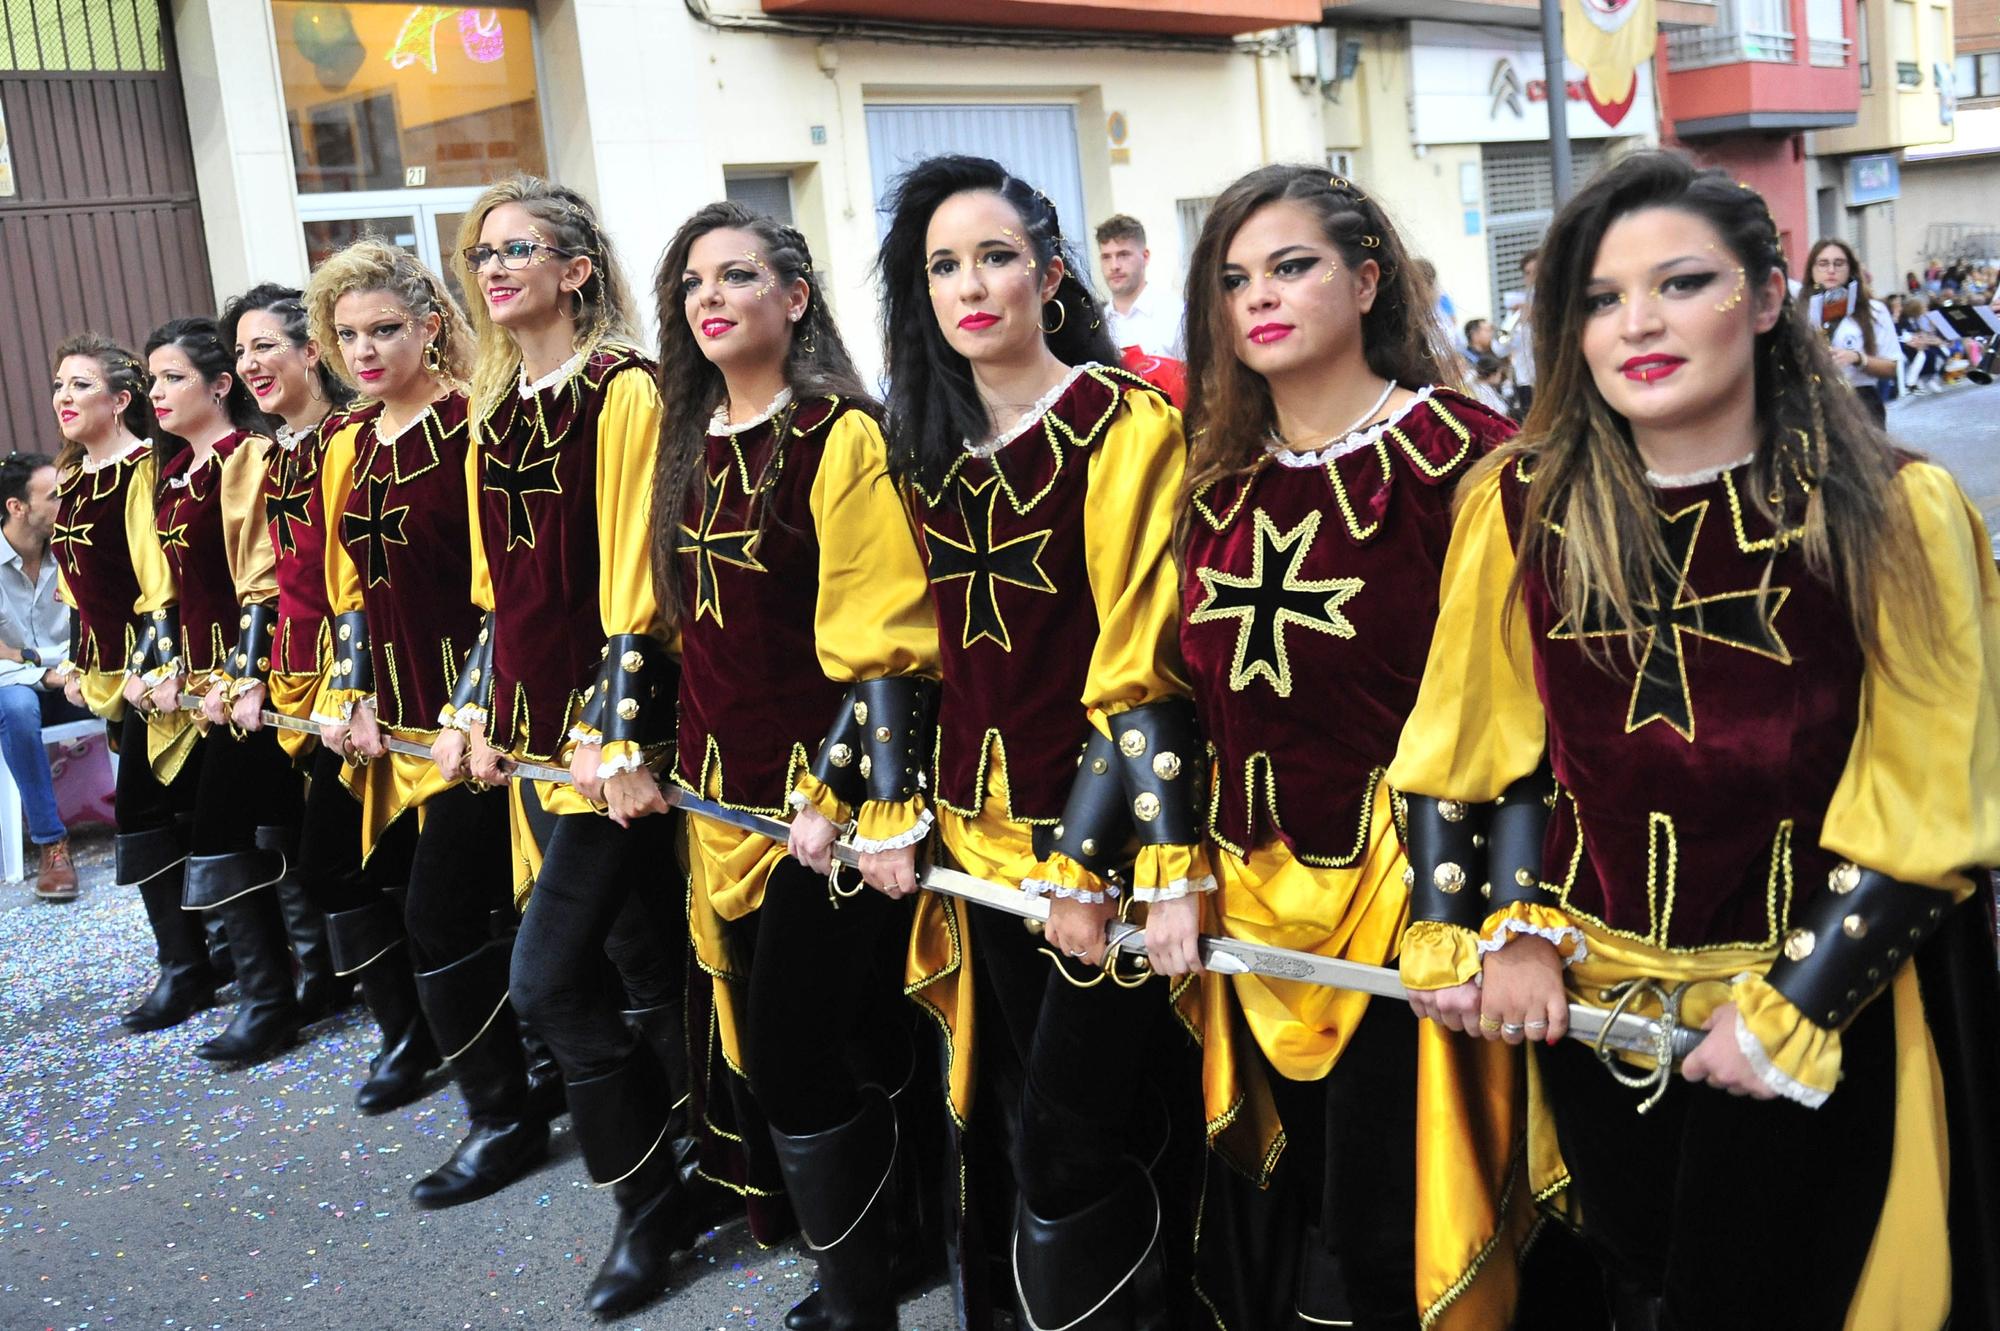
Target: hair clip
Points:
(1371, 242)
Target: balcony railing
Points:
(1828, 52)
(1699, 48)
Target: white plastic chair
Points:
(13, 832)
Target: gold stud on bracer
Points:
(1844, 878)
(840, 755)
(1166, 766)
(1131, 744)
(1452, 811)
(1799, 944)
(1448, 877)
(1146, 807)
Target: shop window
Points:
(393, 96)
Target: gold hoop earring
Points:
(1062, 317)
(433, 360)
(313, 389)
(575, 313)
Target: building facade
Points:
(1949, 211)
(279, 130)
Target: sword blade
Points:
(1225, 956)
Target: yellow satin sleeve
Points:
(246, 533)
(1478, 724)
(872, 618)
(142, 538)
(628, 442)
(343, 580)
(1919, 799)
(482, 576)
(1134, 481)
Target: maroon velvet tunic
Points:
(296, 511)
(1003, 538)
(89, 543)
(405, 528)
(191, 535)
(752, 696)
(538, 523)
(1308, 602)
(1694, 787)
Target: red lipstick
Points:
(1651, 369)
(978, 320)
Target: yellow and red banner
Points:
(1610, 39)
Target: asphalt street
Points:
(141, 1189)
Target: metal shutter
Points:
(769, 195)
(1036, 143)
(1521, 201)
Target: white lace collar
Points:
(1000, 439)
(719, 424)
(405, 427)
(91, 464)
(1703, 477)
(1352, 442)
(552, 378)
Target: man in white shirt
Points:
(1517, 342)
(1143, 315)
(34, 632)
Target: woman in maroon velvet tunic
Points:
(287, 663)
(210, 519)
(116, 579)
(1329, 433)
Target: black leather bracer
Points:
(257, 625)
(1846, 943)
(881, 741)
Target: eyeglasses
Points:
(514, 255)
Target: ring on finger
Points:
(1489, 1024)
(1535, 1026)
(1511, 1028)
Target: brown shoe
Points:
(57, 879)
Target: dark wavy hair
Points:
(200, 337)
(1229, 405)
(123, 373)
(1822, 466)
(934, 405)
(289, 305)
(692, 387)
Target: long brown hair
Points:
(691, 387)
(1864, 301)
(1229, 405)
(1822, 468)
(123, 373)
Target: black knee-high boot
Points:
(1100, 1268)
(321, 989)
(156, 862)
(627, 1142)
(237, 887)
(369, 943)
(473, 1024)
(842, 1183)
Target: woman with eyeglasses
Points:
(568, 663)
(399, 583)
(286, 659)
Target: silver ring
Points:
(1511, 1028)
(1068, 953)
(1535, 1026)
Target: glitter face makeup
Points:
(1021, 242)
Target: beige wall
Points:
(1892, 116)
(1196, 121)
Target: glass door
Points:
(424, 222)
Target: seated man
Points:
(34, 634)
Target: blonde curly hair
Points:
(373, 264)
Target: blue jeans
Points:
(23, 713)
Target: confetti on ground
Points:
(142, 1188)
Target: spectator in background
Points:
(1489, 383)
(1923, 349)
(1478, 340)
(1447, 313)
(1517, 342)
(1142, 314)
(34, 636)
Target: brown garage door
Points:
(102, 229)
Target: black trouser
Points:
(1351, 1152)
(245, 784)
(460, 875)
(139, 801)
(1105, 1069)
(1736, 1212)
(826, 1000)
(330, 867)
(601, 892)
